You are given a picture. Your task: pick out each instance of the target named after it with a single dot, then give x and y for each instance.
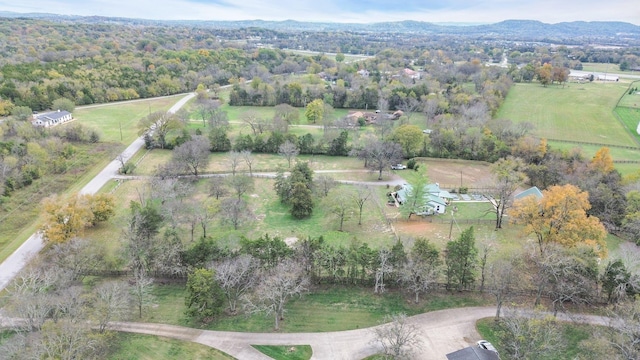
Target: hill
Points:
(604, 32)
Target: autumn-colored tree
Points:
(560, 216)
(65, 218)
(314, 111)
(102, 207)
(602, 161)
(544, 74)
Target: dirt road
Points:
(442, 332)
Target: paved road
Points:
(442, 332)
(19, 258)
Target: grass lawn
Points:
(109, 119)
(630, 117)
(572, 334)
(581, 112)
(146, 347)
(288, 352)
(590, 150)
(330, 308)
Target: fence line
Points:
(596, 144)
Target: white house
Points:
(52, 118)
(435, 199)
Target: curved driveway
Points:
(442, 332)
(19, 258)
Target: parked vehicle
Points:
(398, 167)
(484, 344)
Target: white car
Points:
(398, 167)
(484, 344)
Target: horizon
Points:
(451, 12)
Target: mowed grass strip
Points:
(146, 347)
(286, 352)
(579, 112)
(327, 308)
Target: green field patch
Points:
(118, 122)
(590, 150)
(330, 308)
(579, 112)
(286, 352)
(146, 347)
(630, 117)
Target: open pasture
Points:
(114, 119)
(578, 112)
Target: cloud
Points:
(362, 11)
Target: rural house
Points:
(52, 118)
(473, 353)
(532, 191)
(435, 199)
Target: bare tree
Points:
(384, 268)
(338, 206)
(234, 159)
(504, 279)
(76, 256)
(622, 333)
(205, 108)
(530, 335)
(399, 338)
(380, 155)
(507, 178)
(235, 212)
(206, 213)
(30, 298)
(248, 159)
(419, 277)
(65, 339)
(218, 187)
(218, 119)
(237, 276)
(323, 184)
(289, 151)
(252, 119)
(241, 184)
(284, 281)
(360, 196)
(112, 303)
(141, 290)
(193, 155)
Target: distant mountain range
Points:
(526, 30)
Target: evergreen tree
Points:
(461, 258)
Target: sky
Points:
(355, 11)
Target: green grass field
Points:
(110, 119)
(579, 112)
(288, 352)
(331, 308)
(147, 347)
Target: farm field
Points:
(578, 112)
(109, 119)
